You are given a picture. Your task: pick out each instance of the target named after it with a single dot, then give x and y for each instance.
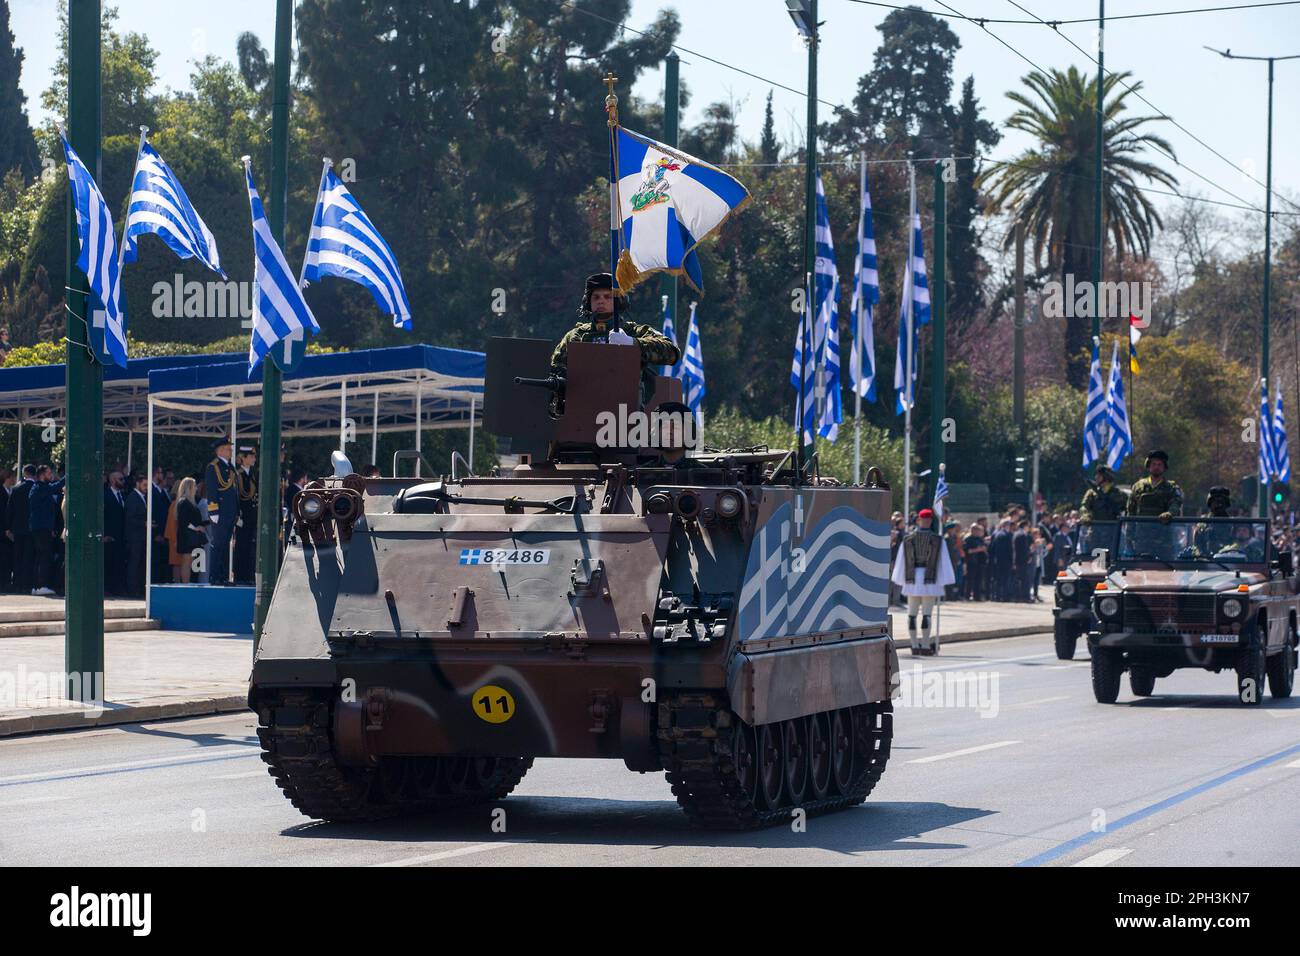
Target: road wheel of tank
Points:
(1067, 640)
(744, 755)
(453, 774)
(1141, 681)
(770, 765)
(1252, 670)
(794, 762)
(394, 778)
(426, 776)
(842, 750)
(492, 778)
(1107, 669)
(819, 755)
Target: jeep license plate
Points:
(505, 555)
(1218, 638)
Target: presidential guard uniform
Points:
(245, 563)
(922, 569)
(222, 487)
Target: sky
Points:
(1221, 102)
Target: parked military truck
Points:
(1072, 616)
(720, 615)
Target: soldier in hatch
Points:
(1155, 495)
(1209, 538)
(1104, 501)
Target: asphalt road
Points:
(1188, 777)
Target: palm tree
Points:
(1052, 186)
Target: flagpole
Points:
(857, 328)
(326, 165)
(909, 292)
(615, 202)
(121, 248)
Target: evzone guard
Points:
(922, 569)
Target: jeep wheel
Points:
(1067, 639)
(1281, 673)
(1251, 669)
(1141, 681)
(1107, 669)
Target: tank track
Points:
(695, 745)
(293, 728)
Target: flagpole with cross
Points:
(615, 202)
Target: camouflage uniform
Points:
(656, 349)
(1152, 498)
(1098, 505)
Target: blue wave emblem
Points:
(844, 581)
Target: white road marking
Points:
(1041, 700)
(989, 662)
(962, 753)
(63, 772)
(239, 776)
(1105, 857)
(449, 854)
(1293, 765)
(32, 800)
(1282, 713)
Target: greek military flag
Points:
(345, 243)
(1281, 456)
(670, 333)
(160, 206)
(940, 492)
(98, 260)
(663, 203)
(1094, 415)
(693, 371)
(803, 373)
(826, 337)
(866, 293)
(916, 289)
(1121, 438)
(280, 313)
(1267, 460)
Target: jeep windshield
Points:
(1193, 542)
(1093, 536)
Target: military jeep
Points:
(1208, 593)
(1072, 617)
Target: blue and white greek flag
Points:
(1281, 456)
(666, 203)
(1267, 459)
(345, 243)
(1121, 438)
(159, 205)
(940, 492)
(866, 293)
(98, 260)
(693, 371)
(670, 333)
(280, 313)
(803, 373)
(916, 288)
(826, 283)
(1094, 415)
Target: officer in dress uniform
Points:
(598, 322)
(922, 569)
(222, 488)
(1103, 501)
(245, 564)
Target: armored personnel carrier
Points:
(717, 615)
(1072, 616)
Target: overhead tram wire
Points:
(1244, 204)
(1055, 23)
(1162, 113)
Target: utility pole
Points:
(1264, 492)
(1018, 339)
(83, 649)
(938, 310)
(268, 501)
(1099, 235)
(672, 103)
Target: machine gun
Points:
(555, 383)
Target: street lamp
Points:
(804, 19)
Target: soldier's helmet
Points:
(1218, 501)
(1156, 455)
(1105, 474)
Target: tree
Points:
(1051, 186)
(966, 267)
(769, 150)
(17, 145)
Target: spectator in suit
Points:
(115, 533)
(6, 546)
(976, 550)
(162, 502)
(1022, 564)
(1000, 561)
(297, 481)
(42, 522)
(137, 530)
(17, 531)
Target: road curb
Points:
(134, 713)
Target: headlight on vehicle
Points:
(1108, 607)
(1232, 609)
(1067, 589)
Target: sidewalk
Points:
(154, 674)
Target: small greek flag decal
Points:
(471, 555)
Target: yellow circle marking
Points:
(493, 704)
